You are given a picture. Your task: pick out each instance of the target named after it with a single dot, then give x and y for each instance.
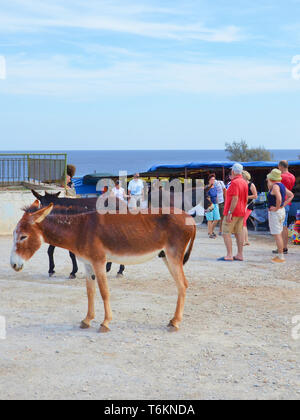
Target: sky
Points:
(149, 74)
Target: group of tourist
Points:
(234, 204)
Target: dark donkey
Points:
(80, 204)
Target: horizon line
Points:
(123, 150)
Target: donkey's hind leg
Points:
(100, 271)
(91, 292)
(51, 260)
(176, 270)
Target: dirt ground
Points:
(235, 341)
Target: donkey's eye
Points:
(23, 238)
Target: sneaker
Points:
(285, 251)
(276, 260)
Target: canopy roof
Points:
(218, 164)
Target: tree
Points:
(240, 152)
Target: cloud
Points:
(117, 17)
(64, 77)
(2, 68)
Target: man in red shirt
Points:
(234, 212)
(289, 181)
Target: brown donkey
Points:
(120, 238)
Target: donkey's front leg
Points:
(91, 291)
(100, 271)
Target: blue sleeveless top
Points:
(272, 198)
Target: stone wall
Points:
(11, 204)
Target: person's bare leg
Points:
(214, 224)
(209, 227)
(279, 243)
(246, 237)
(221, 224)
(285, 237)
(228, 244)
(240, 244)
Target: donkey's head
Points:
(46, 199)
(27, 235)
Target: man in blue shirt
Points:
(136, 191)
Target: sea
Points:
(113, 161)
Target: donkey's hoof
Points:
(72, 276)
(172, 327)
(84, 326)
(120, 275)
(103, 329)
(51, 274)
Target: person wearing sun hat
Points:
(278, 197)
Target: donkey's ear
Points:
(57, 194)
(35, 205)
(41, 215)
(36, 194)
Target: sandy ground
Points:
(235, 341)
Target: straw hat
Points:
(275, 175)
(246, 175)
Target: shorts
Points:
(221, 209)
(135, 201)
(276, 221)
(236, 226)
(213, 215)
(247, 215)
(286, 220)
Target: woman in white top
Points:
(119, 192)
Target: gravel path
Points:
(235, 341)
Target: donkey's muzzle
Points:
(17, 267)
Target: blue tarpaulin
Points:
(82, 189)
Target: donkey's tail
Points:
(190, 247)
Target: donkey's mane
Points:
(61, 210)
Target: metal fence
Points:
(15, 169)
